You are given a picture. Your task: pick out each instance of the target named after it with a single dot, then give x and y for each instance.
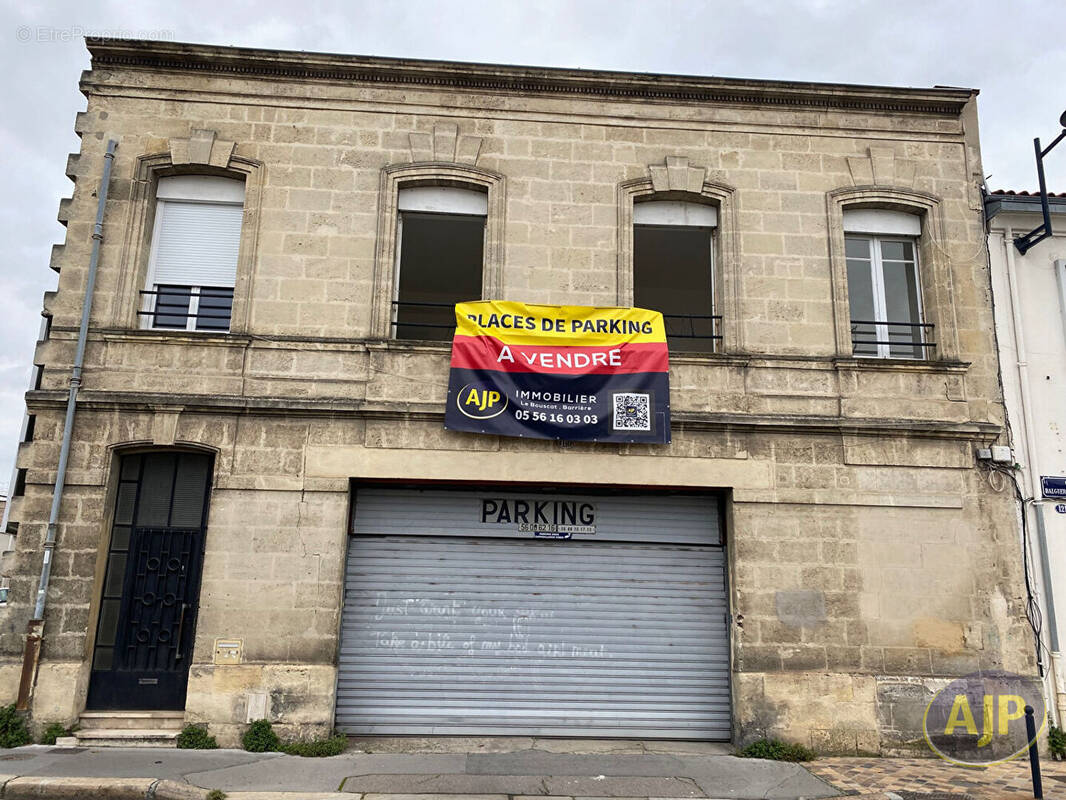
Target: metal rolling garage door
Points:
(460, 619)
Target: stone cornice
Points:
(292, 65)
(360, 409)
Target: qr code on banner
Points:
(632, 412)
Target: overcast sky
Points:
(1014, 52)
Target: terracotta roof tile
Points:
(1012, 193)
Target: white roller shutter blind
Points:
(197, 231)
(197, 243)
(880, 221)
(200, 187)
(443, 200)
(675, 212)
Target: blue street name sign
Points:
(1053, 487)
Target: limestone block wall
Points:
(273, 567)
(873, 579)
(855, 608)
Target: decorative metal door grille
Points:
(148, 607)
(159, 597)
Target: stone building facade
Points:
(867, 561)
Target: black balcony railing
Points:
(697, 332)
(902, 339)
(411, 320)
(417, 320)
(209, 307)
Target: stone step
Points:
(141, 720)
(126, 737)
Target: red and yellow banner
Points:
(559, 372)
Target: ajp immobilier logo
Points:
(979, 719)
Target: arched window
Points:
(192, 264)
(884, 289)
(440, 241)
(893, 294)
(440, 256)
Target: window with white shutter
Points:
(193, 261)
(884, 291)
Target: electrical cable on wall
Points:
(1032, 608)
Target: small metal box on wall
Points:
(229, 651)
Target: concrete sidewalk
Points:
(477, 768)
(373, 768)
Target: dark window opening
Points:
(19, 489)
(440, 264)
(38, 375)
(31, 424)
(673, 274)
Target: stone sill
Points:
(245, 339)
(900, 365)
(373, 344)
(160, 336)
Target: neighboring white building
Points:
(1029, 296)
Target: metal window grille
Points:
(412, 320)
(687, 330)
(193, 308)
(903, 339)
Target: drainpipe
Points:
(1060, 277)
(1035, 491)
(35, 628)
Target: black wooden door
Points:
(147, 620)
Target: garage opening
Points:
(521, 613)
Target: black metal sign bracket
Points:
(1042, 231)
